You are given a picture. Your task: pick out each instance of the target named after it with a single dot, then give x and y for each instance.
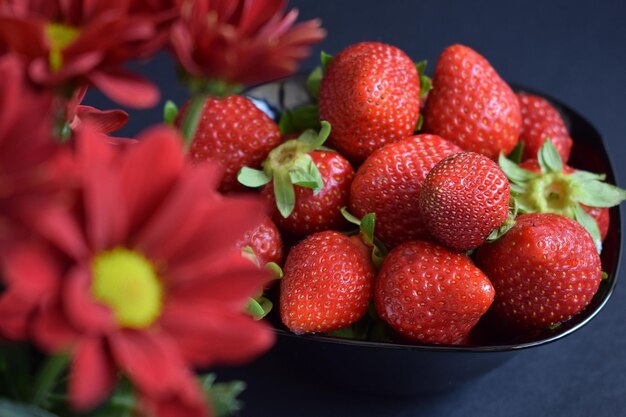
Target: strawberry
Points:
(545, 269)
(463, 199)
(327, 283)
(540, 121)
(370, 94)
(599, 214)
(548, 186)
(234, 132)
(265, 242)
(471, 105)
(430, 294)
(388, 183)
(309, 186)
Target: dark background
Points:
(572, 50)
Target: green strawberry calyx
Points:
(366, 230)
(289, 165)
(554, 191)
(260, 306)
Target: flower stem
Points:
(48, 377)
(192, 118)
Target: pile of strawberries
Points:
(409, 207)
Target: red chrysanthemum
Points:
(103, 121)
(141, 275)
(29, 159)
(241, 41)
(72, 42)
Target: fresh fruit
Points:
(388, 184)
(471, 105)
(327, 284)
(540, 121)
(265, 243)
(370, 94)
(463, 199)
(234, 132)
(309, 186)
(548, 186)
(545, 269)
(430, 294)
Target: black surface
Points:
(573, 51)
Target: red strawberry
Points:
(545, 269)
(234, 132)
(471, 105)
(540, 120)
(599, 214)
(308, 187)
(327, 283)
(316, 211)
(265, 242)
(431, 294)
(388, 183)
(370, 94)
(463, 199)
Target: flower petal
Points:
(106, 221)
(126, 88)
(150, 360)
(208, 334)
(85, 313)
(143, 186)
(59, 226)
(104, 121)
(92, 376)
(187, 400)
(50, 329)
(15, 315)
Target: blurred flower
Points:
(141, 275)
(72, 42)
(241, 41)
(103, 121)
(30, 162)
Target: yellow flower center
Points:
(60, 36)
(128, 284)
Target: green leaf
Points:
(426, 83)
(277, 271)
(549, 158)
(516, 154)
(15, 409)
(314, 81)
(252, 177)
(255, 309)
(513, 171)
(48, 376)
(600, 194)
(304, 173)
(170, 112)
(420, 123)
(299, 119)
(367, 228)
(284, 193)
(312, 140)
(223, 395)
(582, 176)
(350, 217)
(325, 58)
(589, 223)
(248, 253)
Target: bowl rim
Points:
(608, 292)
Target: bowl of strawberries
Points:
(425, 231)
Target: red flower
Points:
(72, 42)
(143, 275)
(29, 159)
(103, 121)
(241, 41)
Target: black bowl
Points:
(404, 368)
